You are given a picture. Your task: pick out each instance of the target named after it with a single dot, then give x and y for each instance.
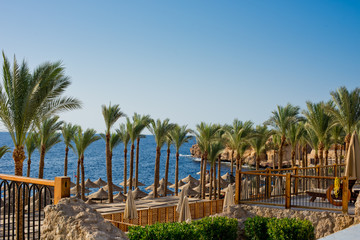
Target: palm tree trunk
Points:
(304, 156)
(28, 166)
(214, 179)
(82, 178)
(42, 161)
(177, 173)
(157, 170)
(125, 170)
(66, 160)
(201, 173)
(167, 168)
(78, 177)
(321, 152)
(237, 161)
(274, 160)
(109, 168)
(219, 173)
(336, 154)
(283, 138)
(19, 157)
(131, 165)
(347, 142)
(204, 176)
(232, 162)
(211, 181)
(137, 162)
(293, 158)
(326, 157)
(257, 177)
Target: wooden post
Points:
(318, 174)
(197, 211)
(296, 185)
(345, 195)
(61, 188)
(237, 187)
(288, 191)
(268, 183)
(335, 170)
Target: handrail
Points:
(298, 168)
(28, 180)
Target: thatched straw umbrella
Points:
(115, 188)
(74, 192)
(137, 193)
(99, 195)
(119, 197)
(128, 180)
(100, 182)
(90, 184)
(190, 178)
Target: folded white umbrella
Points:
(185, 213)
(229, 199)
(130, 207)
(181, 199)
(245, 189)
(277, 188)
(352, 169)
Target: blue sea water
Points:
(94, 161)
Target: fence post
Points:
(318, 174)
(296, 185)
(288, 191)
(61, 188)
(237, 186)
(268, 183)
(345, 195)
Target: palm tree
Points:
(115, 140)
(294, 134)
(160, 130)
(125, 138)
(337, 135)
(235, 137)
(27, 98)
(68, 131)
(216, 148)
(111, 114)
(31, 143)
(169, 142)
(281, 120)
(205, 135)
(313, 141)
(346, 111)
(275, 145)
(142, 121)
(259, 140)
(82, 142)
(77, 148)
(3, 150)
(320, 122)
(179, 136)
(48, 137)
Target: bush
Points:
(206, 229)
(256, 228)
(261, 228)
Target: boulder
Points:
(73, 219)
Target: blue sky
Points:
(189, 61)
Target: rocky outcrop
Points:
(325, 223)
(73, 219)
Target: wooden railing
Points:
(296, 190)
(61, 184)
(164, 214)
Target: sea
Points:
(94, 161)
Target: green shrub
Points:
(261, 228)
(212, 228)
(256, 228)
(205, 229)
(290, 229)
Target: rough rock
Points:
(325, 223)
(357, 206)
(73, 219)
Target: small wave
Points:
(197, 159)
(185, 155)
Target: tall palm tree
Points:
(68, 131)
(313, 141)
(294, 134)
(320, 122)
(115, 140)
(160, 130)
(216, 148)
(240, 151)
(31, 143)
(77, 148)
(48, 137)
(111, 114)
(27, 98)
(125, 138)
(337, 135)
(205, 135)
(82, 142)
(259, 140)
(346, 111)
(142, 121)
(179, 136)
(236, 136)
(281, 119)
(3, 150)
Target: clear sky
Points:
(189, 61)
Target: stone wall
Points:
(73, 219)
(324, 222)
